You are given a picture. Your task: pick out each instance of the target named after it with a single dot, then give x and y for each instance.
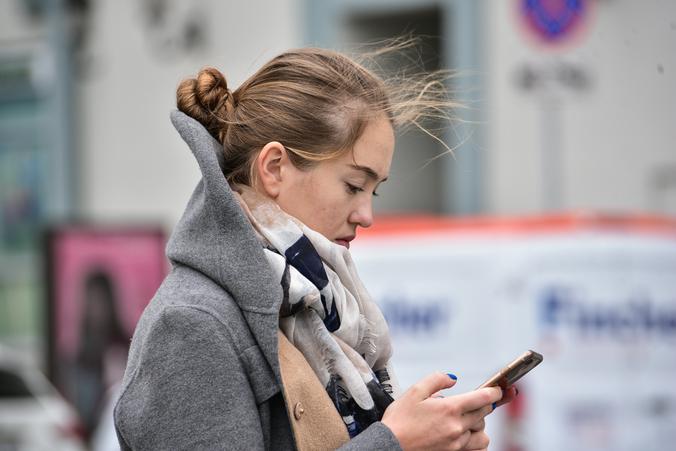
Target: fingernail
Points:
(452, 376)
(493, 405)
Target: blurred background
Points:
(552, 227)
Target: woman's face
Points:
(336, 196)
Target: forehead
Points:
(374, 148)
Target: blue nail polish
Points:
(494, 405)
(452, 376)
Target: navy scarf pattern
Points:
(327, 313)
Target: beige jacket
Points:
(314, 419)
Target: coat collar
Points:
(215, 238)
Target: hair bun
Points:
(205, 99)
(212, 89)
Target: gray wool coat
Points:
(203, 369)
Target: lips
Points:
(345, 241)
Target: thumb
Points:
(433, 383)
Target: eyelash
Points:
(351, 189)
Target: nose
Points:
(363, 214)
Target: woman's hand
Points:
(420, 421)
(478, 440)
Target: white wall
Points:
(614, 136)
(133, 164)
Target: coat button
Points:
(298, 410)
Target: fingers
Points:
(477, 399)
(471, 420)
(463, 440)
(508, 396)
(477, 441)
(432, 384)
(479, 426)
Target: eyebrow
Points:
(370, 173)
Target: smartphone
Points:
(514, 371)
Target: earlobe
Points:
(269, 163)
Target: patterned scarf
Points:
(327, 313)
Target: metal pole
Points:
(63, 189)
(551, 152)
(463, 175)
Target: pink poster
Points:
(99, 282)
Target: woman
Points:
(102, 348)
(262, 336)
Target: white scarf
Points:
(327, 313)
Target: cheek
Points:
(328, 222)
(329, 218)
(326, 208)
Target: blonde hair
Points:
(315, 102)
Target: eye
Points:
(352, 189)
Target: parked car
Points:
(33, 415)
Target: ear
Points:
(270, 165)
